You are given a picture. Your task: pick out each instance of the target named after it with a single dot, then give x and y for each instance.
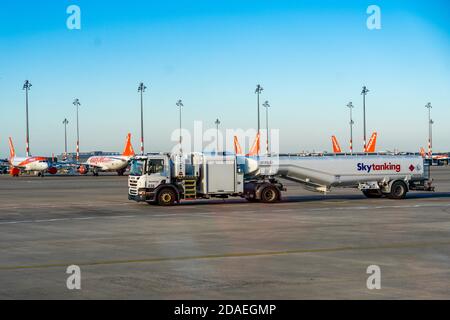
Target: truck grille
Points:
(133, 191)
(133, 186)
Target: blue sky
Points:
(311, 57)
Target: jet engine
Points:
(83, 170)
(15, 172)
(52, 170)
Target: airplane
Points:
(28, 164)
(237, 146)
(336, 146)
(117, 164)
(372, 145)
(254, 151)
(438, 158)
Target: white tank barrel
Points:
(334, 170)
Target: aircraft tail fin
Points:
(254, 151)
(423, 153)
(336, 146)
(372, 145)
(237, 146)
(128, 151)
(12, 151)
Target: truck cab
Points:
(147, 175)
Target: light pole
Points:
(180, 106)
(351, 106)
(27, 86)
(258, 92)
(77, 105)
(65, 123)
(141, 90)
(430, 130)
(217, 134)
(267, 106)
(364, 92)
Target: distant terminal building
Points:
(84, 156)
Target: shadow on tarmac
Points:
(299, 199)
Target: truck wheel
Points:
(398, 190)
(270, 194)
(372, 194)
(166, 197)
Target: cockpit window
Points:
(155, 166)
(137, 168)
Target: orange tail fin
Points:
(129, 151)
(12, 152)
(372, 145)
(423, 153)
(254, 151)
(237, 146)
(336, 146)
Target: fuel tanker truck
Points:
(167, 179)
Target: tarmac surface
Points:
(309, 246)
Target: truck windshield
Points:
(137, 168)
(155, 166)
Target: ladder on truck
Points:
(190, 188)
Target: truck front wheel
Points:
(166, 197)
(270, 194)
(398, 190)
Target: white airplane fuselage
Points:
(37, 164)
(108, 163)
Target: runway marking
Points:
(226, 255)
(63, 219)
(63, 206)
(216, 213)
(382, 207)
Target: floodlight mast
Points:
(77, 105)
(65, 123)
(351, 106)
(141, 90)
(258, 92)
(217, 134)
(267, 106)
(180, 105)
(27, 86)
(430, 130)
(364, 92)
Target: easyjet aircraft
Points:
(372, 145)
(109, 163)
(254, 151)
(336, 146)
(28, 164)
(436, 157)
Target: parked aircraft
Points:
(117, 164)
